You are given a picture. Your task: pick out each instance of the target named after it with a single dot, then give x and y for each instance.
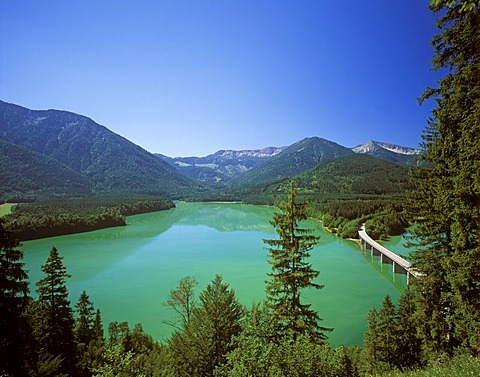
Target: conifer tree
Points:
(98, 326)
(209, 335)
(14, 332)
(88, 342)
(84, 322)
(371, 341)
(56, 336)
(446, 203)
(387, 322)
(409, 345)
(292, 272)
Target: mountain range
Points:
(244, 167)
(222, 165)
(51, 152)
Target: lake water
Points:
(129, 271)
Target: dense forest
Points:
(213, 334)
(59, 217)
(433, 330)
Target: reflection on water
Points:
(397, 279)
(129, 271)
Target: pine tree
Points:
(14, 332)
(371, 341)
(446, 203)
(56, 336)
(292, 272)
(98, 326)
(387, 322)
(85, 336)
(84, 322)
(202, 346)
(409, 345)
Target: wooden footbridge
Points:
(387, 256)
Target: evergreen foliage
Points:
(14, 330)
(209, 335)
(291, 273)
(88, 333)
(391, 342)
(60, 217)
(408, 343)
(55, 330)
(446, 204)
(102, 157)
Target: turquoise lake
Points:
(129, 271)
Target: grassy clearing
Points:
(6, 208)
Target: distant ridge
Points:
(89, 158)
(356, 174)
(389, 152)
(222, 165)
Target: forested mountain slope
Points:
(294, 160)
(26, 173)
(353, 174)
(356, 174)
(110, 161)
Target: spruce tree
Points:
(98, 326)
(85, 319)
(371, 341)
(292, 272)
(381, 338)
(14, 332)
(387, 322)
(408, 343)
(446, 202)
(84, 332)
(209, 335)
(56, 337)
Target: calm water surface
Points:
(129, 271)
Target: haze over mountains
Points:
(61, 153)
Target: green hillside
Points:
(24, 173)
(356, 174)
(294, 160)
(350, 175)
(109, 161)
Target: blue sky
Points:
(188, 78)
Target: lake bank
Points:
(129, 271)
